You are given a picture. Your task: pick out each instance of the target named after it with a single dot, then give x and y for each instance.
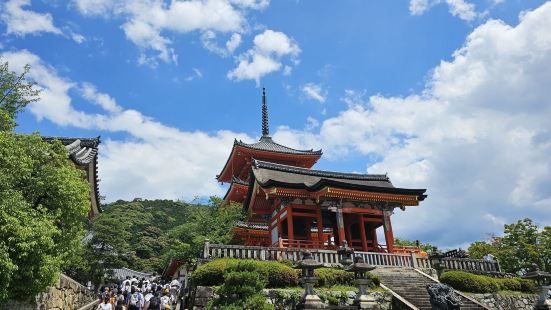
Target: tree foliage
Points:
(403, 242)
(145, 234)
(522, 244)
(43, 206)
(43, 199)
(15, 93)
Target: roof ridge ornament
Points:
(265, 128)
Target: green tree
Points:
(15, 93)
(43, 199)
(403, 242)
(521, 245)
(43, 207)
(479, 249)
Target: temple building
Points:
(288, 204)
(83, 153)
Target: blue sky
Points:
(448, 95)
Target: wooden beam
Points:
(362, 211)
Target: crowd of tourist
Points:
(140, 294)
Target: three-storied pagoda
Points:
(289, 204)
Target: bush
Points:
(276, 274)
(331, 276)
(509, 284)
(473, 283)
(241, 289)
(527, 286)
(469, 282)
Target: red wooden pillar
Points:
(320, 226)
(362, 231)
(389, 236)
(340, 226)
(290, 229)
(348, 231)
(374, 237)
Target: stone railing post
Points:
(206, 249)
(414, 260)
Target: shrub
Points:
(527, 286)
(241, 289)
(276, 274)
(212, 273)
(509, 284)
(473, 283)
(469, 282)
(331, 276)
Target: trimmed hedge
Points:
(473, 283)
(332, 276)
(277, 274)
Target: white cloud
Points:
(462, 9)
(20, 21)
(418, 7)
(156, 161)
(147, 22)
(196, 75)
(459, 8)
(265, 57)
(314, 92)
(478, 137)
(208, 38)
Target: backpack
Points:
(165, 301)
(134, 299)
(153, 302)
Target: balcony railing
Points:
(330, 257)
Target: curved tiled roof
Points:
(252, 225)
(266, 143)
(82, 151)
(321, 173)
(269, 174)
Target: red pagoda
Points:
(289, 204)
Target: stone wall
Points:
(507, 302)
(66, 294)
(287, 299)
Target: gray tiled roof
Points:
(82, 151)
(121, 274)
(269, 174)
(252, 225)
(266, 143)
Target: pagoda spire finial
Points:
(265, 128)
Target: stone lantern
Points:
(360, 269)
(345, 252)
(436, 261)
(309, 300)
(542, 281)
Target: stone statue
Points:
(443, 297)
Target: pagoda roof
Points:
(82, 152)
(266, 143)
(277, 175)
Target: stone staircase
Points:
(411, 285)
